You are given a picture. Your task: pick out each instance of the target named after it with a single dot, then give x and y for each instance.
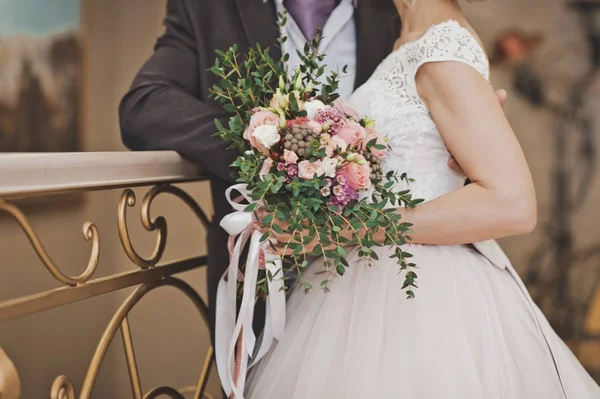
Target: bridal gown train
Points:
(472, 332)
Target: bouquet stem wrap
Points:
(232, 331)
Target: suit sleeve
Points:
(162, 110)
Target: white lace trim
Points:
(390, 97)
(447, 41)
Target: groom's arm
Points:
(162, 110)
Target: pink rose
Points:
(374, 134)
(259, 119)
(307, 170)
(357, 173)
(315, 126)
(290, 157)
(267, 165)
(335, 143)
(348, 110)
(352, 133)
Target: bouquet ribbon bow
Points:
(229, 330)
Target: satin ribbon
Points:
(229, 330)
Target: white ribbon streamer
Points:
(228, 328)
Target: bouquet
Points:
(311, 172)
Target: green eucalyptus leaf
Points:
(251, 208)
(264, 237)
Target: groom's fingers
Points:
(502, 96)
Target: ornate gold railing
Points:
(34, 175)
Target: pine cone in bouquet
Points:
(299, 135)
(374, 163)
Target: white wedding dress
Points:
(471, 333)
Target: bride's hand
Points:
(286, 238)
(452, 163)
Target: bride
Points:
(473, 331)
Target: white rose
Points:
(312, 107)
(266, 135)
(330, 166)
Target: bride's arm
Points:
(501, 199)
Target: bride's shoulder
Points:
(451, 41)
(445, 41)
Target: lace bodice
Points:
(390, 97)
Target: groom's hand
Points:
(452, 163)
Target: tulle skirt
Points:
(470, 333)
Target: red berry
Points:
(275, 156)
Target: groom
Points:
(167, 107)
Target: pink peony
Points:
(307, 170)
(348, 110)
(290, 157)
(352, 133)
(374, 134)
(259, 119)
(357, 173)
(267, 165)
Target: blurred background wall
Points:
(554, 98)
(118, 36)
(169, 338)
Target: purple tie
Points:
(310, 14)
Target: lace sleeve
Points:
(451, 42)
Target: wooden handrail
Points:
(37, 174)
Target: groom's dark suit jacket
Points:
(167, 106)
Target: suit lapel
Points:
(377, 28)
(259, 20)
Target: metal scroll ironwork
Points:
(83, 287)
(90, 233)
(160, 391)
(10, 384)
(159, 224)
(62, 387)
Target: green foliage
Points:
(251, 80)
(296, 208)
(308, 217)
